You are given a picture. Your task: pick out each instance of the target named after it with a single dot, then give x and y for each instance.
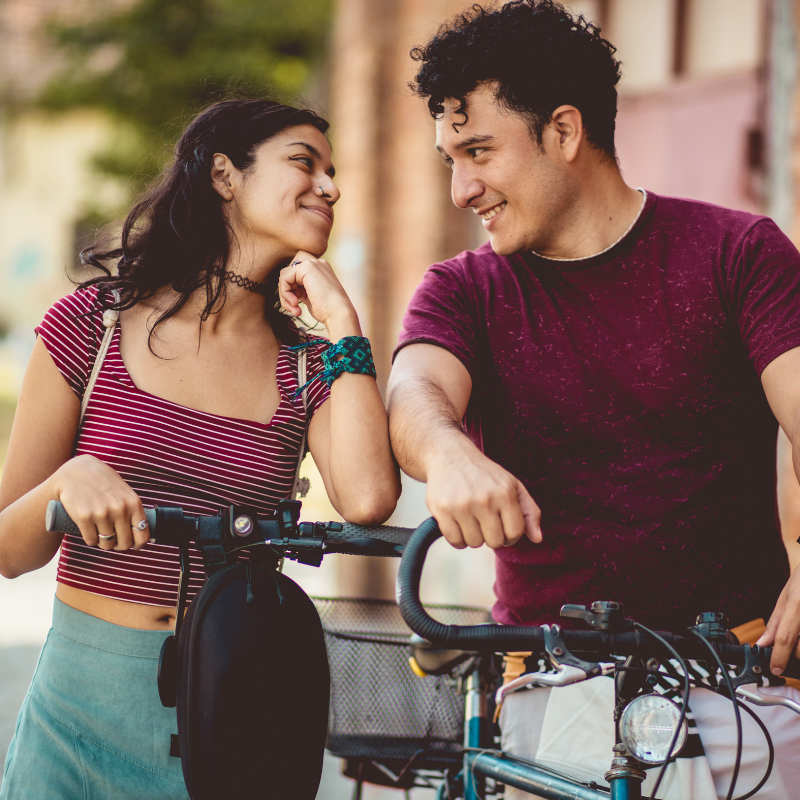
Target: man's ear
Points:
(223, 176)
(568, 124)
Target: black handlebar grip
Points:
(458, 637)
(384, 533)
(57, 520)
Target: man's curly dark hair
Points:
(538, 55)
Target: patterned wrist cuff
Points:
(349, 354)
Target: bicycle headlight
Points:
(647, 726)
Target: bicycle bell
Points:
(648, 725)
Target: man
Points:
(595, 393)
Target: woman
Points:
(197, 404)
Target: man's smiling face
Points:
(520, 189)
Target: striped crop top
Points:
(167, 453)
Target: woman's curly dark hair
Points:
(538, 55)
(177, 234)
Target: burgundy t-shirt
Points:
(624, 391)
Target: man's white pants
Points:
(571, 729)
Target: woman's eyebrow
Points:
(314, 152)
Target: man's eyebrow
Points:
(470, 141)
(314, 152)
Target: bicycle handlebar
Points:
(172, 527)
(518, 638)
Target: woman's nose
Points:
(328, 190)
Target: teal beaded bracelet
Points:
(349, 354)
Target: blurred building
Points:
(47, 185)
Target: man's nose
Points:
(465, 189)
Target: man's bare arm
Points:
(424, 416)
(788, 501)
(473, 499)
(781, 381)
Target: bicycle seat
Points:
(427, 659)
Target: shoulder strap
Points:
(301, 485)
(110, 318)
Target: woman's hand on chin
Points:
(312, 281)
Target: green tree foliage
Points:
(152, 64)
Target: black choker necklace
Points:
(244, 283)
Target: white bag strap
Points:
(301, 485)
(110, 319)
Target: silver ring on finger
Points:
(295, 263)
(140, 526)
(105, 537)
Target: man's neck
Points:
(602, 213)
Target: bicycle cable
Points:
(729, 685)
(684, 705)
(767, 737)
(770, 745)
(424, 751)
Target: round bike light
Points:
(242, 525)
(647, 726)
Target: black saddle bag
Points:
(249, 672)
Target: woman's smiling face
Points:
(284, 201)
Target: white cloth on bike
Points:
(571, 729)
(718, 731)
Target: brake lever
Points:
(563, 676)
(568, 667)
(558, 654)
(754, 667)
(757, 697)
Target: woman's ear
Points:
(222, 176)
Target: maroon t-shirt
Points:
(624, 391)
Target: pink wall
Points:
(690, 140)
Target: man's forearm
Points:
(474, 500)
(422, 424)
(789, 497)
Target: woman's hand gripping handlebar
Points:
(239, 527)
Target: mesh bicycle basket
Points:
(379, 708)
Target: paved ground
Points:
(16, 668)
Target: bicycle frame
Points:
(613, 635)
(625, 777)
(529, 779)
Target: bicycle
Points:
(441, 650)
(616, 646)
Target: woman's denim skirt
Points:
(92, 726)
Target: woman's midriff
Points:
(117, 612)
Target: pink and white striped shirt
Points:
(168, 454)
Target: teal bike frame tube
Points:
(626, 789)
(529, 779)
(475, 723)
(625, 776)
